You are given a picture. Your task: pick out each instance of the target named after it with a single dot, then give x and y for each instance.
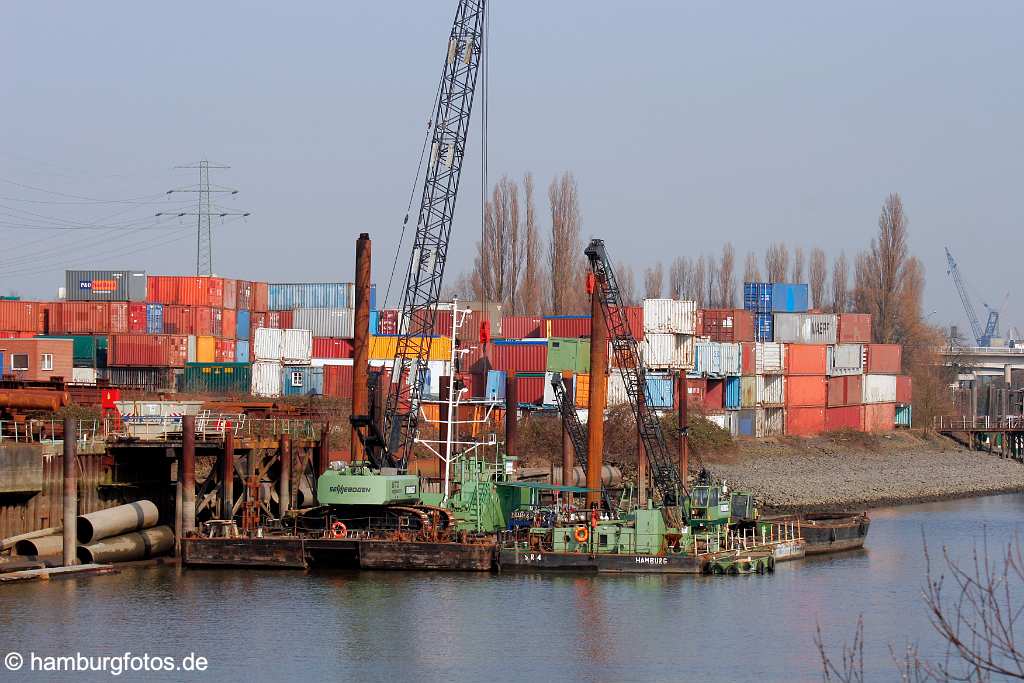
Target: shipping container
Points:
(883, 359)
(717, 359)
(669, 316)
(385, 348)
(845, 359)
(879, 417)
(528, 356)
(137, 319)
(749, 353)
(83, 376)
(242, 351)
(141, 379)
(206, 349)
(879, 389)
(770, 358)
(243, 324)
(120, 316)
(331, 347)
(726, 324)
(154, 318)
(177, 319)
(616, 388)
(845, 390)
(764, 327)
(805, 421)
(325, 322)
(387, 322)
(296, 347)
(192, 291)
(266, 379)
(302, 380)
(839, 418)
(530, 387)
(243, 295)
(494, 390)
(260, 297)
(904, 389)
(789, 298)
(695, 390)
(228, 322)
(746, 422)
(568, 355)
(105, 285)
(757, 297)
(660, 391)
(806, 359)
(732, 393)
(583, 391)
(566, 326)
(216, 378)
(770, 422)
(230, 294)
(225, 351)
(854, 328)
(714, 395)
(669, 351)
(904, 415)
(748, 391)
(338, 381)
(148, 350)
(806, 391)
(217, 321)
(771, 390)
(162, 289)
(522, 326)
(215, 291)
(20, 316)
(285, 296)
(805, 328)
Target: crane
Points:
(389, 438)
(982, 336)
(665, 473)
(571, 419)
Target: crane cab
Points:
(709, 505)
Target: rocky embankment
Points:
(858, 471)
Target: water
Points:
(287, 626)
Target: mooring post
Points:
(598, 398)
(323, 450)
(361, 342)
(683, 419)
(284, 478)
(227, 474)
(187, 474)
(70, 521)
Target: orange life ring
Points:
(339, 530)
(581, 534)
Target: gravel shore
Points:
(861, 471)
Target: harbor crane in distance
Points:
(388, 438)
(983, 336)
(664, 472)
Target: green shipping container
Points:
(569, 355)
(216, 378)
(904, 414)
(87, 351)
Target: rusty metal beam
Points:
(683, 419)
(361, 341)
(598, 398)
(188, 474)
(285, 476)
(70, 492)
(227, 476)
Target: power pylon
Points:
(204, 213)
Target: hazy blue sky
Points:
(686, 124)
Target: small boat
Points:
(829, 532)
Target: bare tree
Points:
(840, 283)
(818, 273)
(797, 275)
(751, 273)
(711, 286)
(565, 251)
(531, 300)
(727, 277)
(678, 276)
(627, 283)
(882, 276)
(499, 253)
(695, 287)
(654, 281)
(776, 262)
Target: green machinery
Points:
(359, 485)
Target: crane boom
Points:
(390, 443)
(983, 336)
(665, 473)
(571, 419)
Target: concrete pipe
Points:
(141, 514)
(138, 545)
(44, 545)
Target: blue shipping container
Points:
(732, 393)
(373, 297)
(789, 298)
(659, 391)
(302, 380)
(747, 422)
(154, 318)
(757, 297)
(242, 319)
(764, 327)
(241, 351)
(374, 318)
(495, 389)
(286, 296)
(904, 415)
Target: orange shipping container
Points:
(879, 417)
(904, 389)
(227, 323)
(148, 350)
(178, 319)
(230, 293)
(846, 390)
(338, 381)
(215, 291)
(805, 421)
(243, 295)
(749, 358)
(806, 359)
(162, 289)
(192, 291)
(725, 324)
(80, 317)
(844, 417)
(806, 390)
(582, 391)
(19, 316)
(854, 328)
(260, 297)
(883, 359)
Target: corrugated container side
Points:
(726, 324)
(387, 322)
(806, 359)
(521, 326)
(228, 322)
(137, 320)
(243, 324)
(672, 351)
(522, 357)
(81, 317)
(904, 415)
(770, 358)
(105, 285)
(225, 351)
(192, 291)
(242, 351)
(243, 295)
(746, 422)
(879, 417)
(696, 389)
(669, 316)
(223, 378)
(148, 350)
(757, 297)
(845, 390)
(302, 380)
(161, 289)
(217, 321)
(770, 422)
(789, 298)
(844, 417)
(904, 389)
(764, 327)
(749, 358)
(616, 388)
(566, 326)
(660, 390)
(771, 390)
(805, 421)
(883, 359)
(229, 296)
(714, 395)
(582, 391)
(338, 381)
(266, 379)
(879, 389)
(854, 328)
(177, 319)
(530, 388)
(286, 296)
(845, 359)
(297, 347)
(805, 328)
(748, 391)
(260, 297)
(119, 317)
(732, 393)
(331, 347)
(215, 291)
(806, 391)
(385, 348)
(326, 322)
(154, 318)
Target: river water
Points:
(290, 626)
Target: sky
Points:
(686, 124)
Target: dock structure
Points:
(1003, 435)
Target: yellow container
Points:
(206, 350)
(582, 391)
(385, 348)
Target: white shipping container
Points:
(297, 347)
(717, 359)
(732, 358)
(721, 420)
(771, 390)
(190, 349)
(769, 358)
(805, 328)
(878, 389)
(845, 359)
(266, 378)
(662, 350)
(669, 315)
(326, 322)
(322, 362)
(83, 375)
(770, 422)
(266, 344)
(617, 388)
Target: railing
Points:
(980, 423)
(45, 431)
(209, 427)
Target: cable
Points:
(75, 196)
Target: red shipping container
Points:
(904, 390)
(338, 381)
(879, 417)
(714, 395)
(280, 320)
(224, 351)
(260, 297)
(567, 326)
(845, 391)
(228, 322)
(192, 291)
(854, 328)
(805, 421)
(806, 359)
(118, 322)
(725, 324)
(136, 320)
(147, 350)
(844, 417)
(477, 360)
(161, 289)
(387, 322)
(514, 358)
(521, 326)
(257, 320)
(14, 334)
(883, 359)
(81, 317)
(243, 295)
(749, 358)
(529, 389)
(806, 391)
(202, 320)
(178, 319)
(215, 291)
(217, 322)
(332, 347)
(696, 389)
(19, 316)
(230, 293)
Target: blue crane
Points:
(983, 336)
